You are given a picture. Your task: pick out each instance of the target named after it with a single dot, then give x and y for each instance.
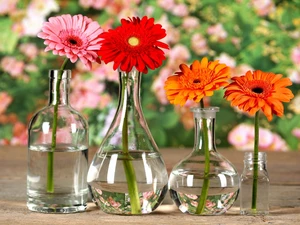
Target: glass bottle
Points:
(246, 186)
(204, 182)
(127, 174)
(57, 153)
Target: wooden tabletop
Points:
(283, 168)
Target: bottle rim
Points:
(249, 156)
(207, 113)
(53, 74)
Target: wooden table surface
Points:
(283, 168)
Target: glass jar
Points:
(204, 182)
(127, 174)
(254, 198)
(57, 153)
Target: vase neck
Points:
(249, 161)
(59, 87)
(204, 129)
(129, 91)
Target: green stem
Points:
(50, 167)
(255, 162)
(127, 163)
(205, 186)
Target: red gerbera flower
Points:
(134, 43)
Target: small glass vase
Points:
(127, 174)
(204, 182)
(57, 153)
(258, 205)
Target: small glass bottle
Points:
(248, 205)
(57, 153)
(204, 182)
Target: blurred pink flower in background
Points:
(180, 10)
(294, 75)
(20, 134)
(240, 70)
(86, 93)
(29, 49)
(7, 6)
(5, 100)
(227, 59)
(159, 83)
(296, 132)
(263, 7)
(217, 32)
(173, 33)
(295, 56)
(177, 55)
(96, 4)
(295, 104)
(12, 66)
(190, 23)
(36, 14)
(167, 5)
(199, 44)
(242, 138)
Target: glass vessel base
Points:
(119, 203)
(38, 205)
(251, 212)
(215, 204)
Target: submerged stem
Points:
(50, 160)
(205, 186)
(127, 163)
(255, 162)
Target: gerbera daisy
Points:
(196, 81)
(134, 44)
(73, 36)
(259, 90)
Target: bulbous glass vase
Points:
(204, 182)
(127, 174)
(57, 153)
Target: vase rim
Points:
(262, 156)
(206, 109)
(53, 74)
(207, 113)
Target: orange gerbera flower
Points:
(259, 90)
(194, 82)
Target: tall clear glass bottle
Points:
(204, 182)
(260, 204)
(57, 153)
(127, 174)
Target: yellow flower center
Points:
(133, 41)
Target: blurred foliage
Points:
(244, 34)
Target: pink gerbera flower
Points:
(73, 36)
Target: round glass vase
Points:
(127, 174)
(204, 182)
(57, 153)
(254, 198)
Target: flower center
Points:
(258, 90)
(74, 41)
(196, 81)
(133, 41)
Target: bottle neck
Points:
(204, 128)
(129, 92)
(249, 161)
(59, 87)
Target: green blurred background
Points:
(244, 34)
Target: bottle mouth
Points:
(249, 156)
(54, 74)
(207, 113)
